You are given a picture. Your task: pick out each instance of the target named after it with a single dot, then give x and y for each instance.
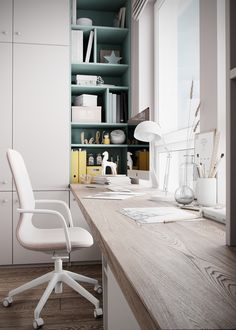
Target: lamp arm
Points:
(153, 174)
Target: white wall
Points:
(143, 61)
(221, 96)
(208, 64)
(213, 79)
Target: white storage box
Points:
(86, 100)
(85, 80)
(86, 114)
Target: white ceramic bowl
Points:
(84, 21)
(117, 136)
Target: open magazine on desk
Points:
(158, 214)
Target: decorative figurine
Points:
(129, 160)
(106, 163)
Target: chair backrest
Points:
(21, 179)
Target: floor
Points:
(62, 312)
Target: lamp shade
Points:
(147, 131)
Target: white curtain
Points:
(137, 8)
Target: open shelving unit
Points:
(116, 77)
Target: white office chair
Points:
(58, 240)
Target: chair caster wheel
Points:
(38, 323)
(98, 289)
(7, 301)
(97, 313)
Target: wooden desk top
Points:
(174, 276)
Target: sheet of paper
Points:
(113, 195)
(158, 214)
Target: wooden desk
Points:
(174, 276)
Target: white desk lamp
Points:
(149, 131)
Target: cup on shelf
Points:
(206, 191)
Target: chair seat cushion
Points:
(54, 239)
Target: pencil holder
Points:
(206, 191)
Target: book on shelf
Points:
(125, 106)
(121, 17)
(74, 166)
(76, 46)
(89, 47)
(118, 108)
(122, 21)
(82, 163)
(109, 112)
(114, 108)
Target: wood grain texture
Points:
(174, 276)
(62, 311)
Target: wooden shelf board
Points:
(99, 69)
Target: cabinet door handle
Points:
(4, 182)
(4, 32)
(17, 33)
(4, 201)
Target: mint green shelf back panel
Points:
(91, 132)
(111, 35)
(102, 18)
(106, 5)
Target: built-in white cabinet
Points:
(115, 304)
(37, 22)
(34, 103)
(6, 7)
(89, 254)
(6, 228)
(25, 256)
(5, 113)
(41, 113)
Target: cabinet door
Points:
(5, 113)
(41, 113)
(117, 305)
(89, 254)
(5, 20)
(22, 255)
(41, 22)
(6, 228)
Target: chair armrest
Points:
(59, 215)
(55, 201)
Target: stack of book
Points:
(118, 108)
